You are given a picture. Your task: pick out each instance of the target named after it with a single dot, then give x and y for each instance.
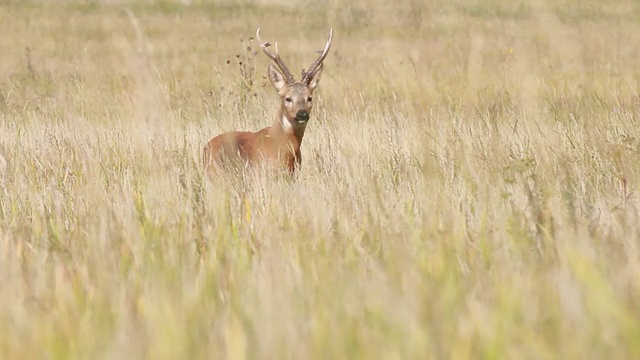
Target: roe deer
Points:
(278, 144)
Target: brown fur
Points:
(279, 144)
(273, 144)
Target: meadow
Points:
(468, 189)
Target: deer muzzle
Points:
(302, 116)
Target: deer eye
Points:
(288, 99)
(309, 99)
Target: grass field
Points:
(469, 186)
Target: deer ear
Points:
(276, 78)
(315, 80)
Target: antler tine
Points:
(308, 75)
(274, 56)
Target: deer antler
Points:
(275, 57)
(307, 76)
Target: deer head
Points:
(296, 98)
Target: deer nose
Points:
(302, 116)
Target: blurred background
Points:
(468, 189)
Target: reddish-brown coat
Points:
(279, 144)
(273, 144)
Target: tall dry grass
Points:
(468, 190)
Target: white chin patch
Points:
(286, 124)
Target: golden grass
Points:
(468, 190)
